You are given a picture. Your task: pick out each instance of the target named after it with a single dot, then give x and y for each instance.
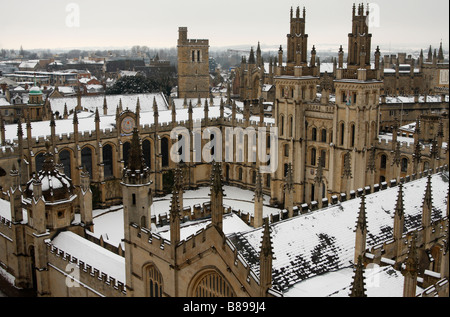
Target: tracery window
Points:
(155, 282)
(212, 285)
(108, 161)
(86, 159)
(64, 159)
(147, 150)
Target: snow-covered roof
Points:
(90, 253)
(410, 99)
(323, 241)
(29, 64)
(4, 102)
(380, 282)
(109, 223)
(128, 101)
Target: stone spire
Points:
(427, 204)
(216, 195)
(440, 54)
(426, 213)
(361, 230)
(265, 259)
(358, 283)
(65, 113)
(105, 106)
(417, 157)
(289, 191)
(136, 172)
(2, 130)
(258, 202)
(206, 111)
(399, 214)
(174, 112)
(222, 108)
(411, 270)
(175, 211)
(178, 184)
(75, 118)
(251, 59)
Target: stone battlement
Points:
(95, 278)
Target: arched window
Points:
(212, 284)
(147, 151)
(108, 161)
(404, 165)
(165, 152)
(313, 156)
(324, 135)
(39, 159)
(125, 153)
(291, 125)
(64, 159)
(383, 163)
(353, 135)
(426, 166)
(240, 174)
(286, 150)
(323, 157)
(86, 160)
(314, 134)
(155, 282)
(342, 134)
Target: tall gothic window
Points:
(342, 134)
(324, 135)
(155, 282)
(404, 166)
(165, 152)
(125, 153)
(353, 135)
(313, 156)
(383, 163)
(64, 159)
(39, 162)
(314, 134)
(86, 160)
(146, 148)
(108, 161)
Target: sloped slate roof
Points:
(322, 241)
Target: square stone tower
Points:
(193, 66)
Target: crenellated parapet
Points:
(87, 276)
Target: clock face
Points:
(128, 124)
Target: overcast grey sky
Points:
(102, 23)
